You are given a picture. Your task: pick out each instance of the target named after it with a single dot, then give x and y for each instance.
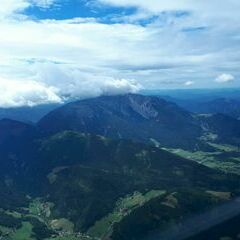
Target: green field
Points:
(23, 233)
(224, 157)
(36, 221)
(123, 207)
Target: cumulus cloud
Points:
(225, 78)
(81, 83)
(120, 86)
(51, 83)
(15, 93)
(10, 7)
(189, 83)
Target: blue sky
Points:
(53, 50)
(69, 9)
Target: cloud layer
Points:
(159, 45)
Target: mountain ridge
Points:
(126, 116)
(138, 117)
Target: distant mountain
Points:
(128, 116)
(27, 114)
(226, 106)
(196, 94)
(141, 118)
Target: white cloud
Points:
(15, 93)
(189, 83)
(120, 86)
(214, 7)
(154, 6)
(10, 7)
(225, 78)
(53, 83)
(83, 57)
(76, 83)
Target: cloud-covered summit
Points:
(62, 49)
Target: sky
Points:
(55, 50)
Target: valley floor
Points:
(223, 157)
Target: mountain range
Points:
(141, 118)
(100, 169)
(226, 106)
(27, 114)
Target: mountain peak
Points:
(130, 116)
